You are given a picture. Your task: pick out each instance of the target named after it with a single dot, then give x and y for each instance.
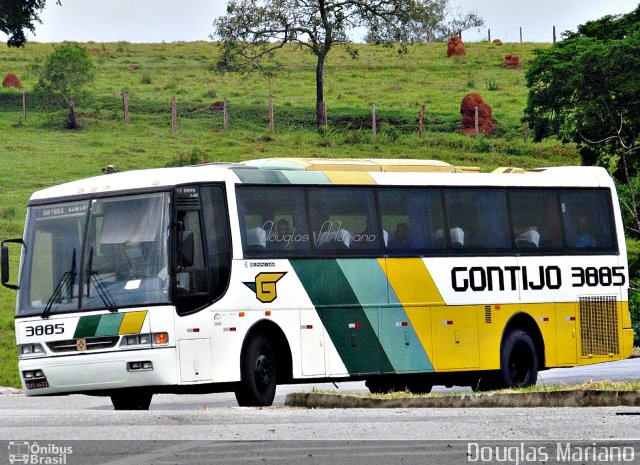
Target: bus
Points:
(242, 276)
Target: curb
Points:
(9, 391)
(590, 398)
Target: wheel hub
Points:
(264, 370)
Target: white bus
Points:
(239, 277)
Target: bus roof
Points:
(360, 164)
(328, 171)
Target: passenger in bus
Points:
(282, 237)
(584, 238)
(400, 237)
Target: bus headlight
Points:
(30, 350)
(138, 340)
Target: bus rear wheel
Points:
(518, 360)
(131, 399)
(258, 370)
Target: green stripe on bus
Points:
(400, 343)
(87, 326)
(306, 177)
(254, 176)
(109, 324)
(342, 315)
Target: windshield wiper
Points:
(103, 293)
(68, 278)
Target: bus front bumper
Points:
(100, 371)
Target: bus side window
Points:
(587, 221)
(216, 226)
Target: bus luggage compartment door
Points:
(195, 360)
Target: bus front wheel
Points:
(258, 370)
(518, 360)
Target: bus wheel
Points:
(131, 399)
(258, 370)
(518, 360)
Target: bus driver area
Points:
(240, 277)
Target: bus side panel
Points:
(348, 312)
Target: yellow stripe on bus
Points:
(412, 282)
(132, 322)
(417, 292)
(349, 177)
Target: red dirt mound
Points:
(11, 80)
(486, 123)
(455, 47)
(511, 60)
(217, 106)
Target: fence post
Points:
(476, 123)
(520, 34)
(421, 122)
(272, 124)
(374, 126)
(554, 34)
(489, 35)
(174, 114)
(225, 114)
(125, 105)
(24, 106)
(526, 132)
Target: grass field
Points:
(39, 152)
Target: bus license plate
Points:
(37, 384)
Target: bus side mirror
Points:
(4, 264)
(187, 248)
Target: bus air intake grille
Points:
(599, 325)
(487, 314)
(90, 343)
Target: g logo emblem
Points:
(265, 286)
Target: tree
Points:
(440, 22)
(18, 15)
(63, 76)
(252, 30)
(586, 89)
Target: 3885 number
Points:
(42, 330)
(592, 276)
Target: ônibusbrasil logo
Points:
(33, 453)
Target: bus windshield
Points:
(96, 254)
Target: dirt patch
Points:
(11, 80)
(486, 123)
(455, 47)
(511, 60)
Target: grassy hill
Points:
(39, 152)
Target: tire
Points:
(258, 371)
(132, 399)
(378, 386)
(518, 360)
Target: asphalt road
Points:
(225, 433)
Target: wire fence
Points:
(547, 34)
